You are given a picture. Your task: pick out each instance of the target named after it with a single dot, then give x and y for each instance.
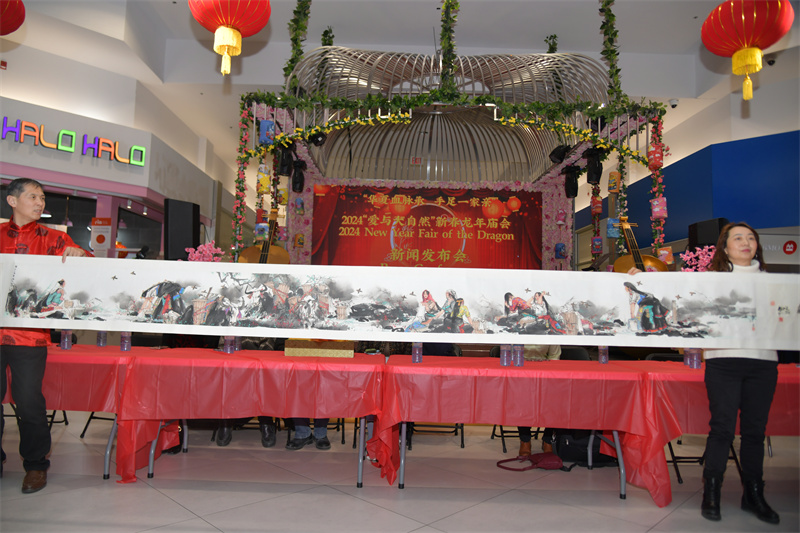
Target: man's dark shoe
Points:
(323, 443)
(268, 435)
(224, 435)
(298, 444)
(35, 480)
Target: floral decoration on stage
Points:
(658, 151)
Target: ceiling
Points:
(159, 43)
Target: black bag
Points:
(572, 446)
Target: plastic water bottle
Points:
(66, 339)
(518, 355)
(237, 344)
(505, 355)
(102, 338)
(695, 357)
(416, 352)
(228, 344)
(125, 341)
(602, 354)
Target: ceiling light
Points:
(122, 224)
(46, 214)
(129, 204)
(144, 211)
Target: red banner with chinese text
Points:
(372, 226)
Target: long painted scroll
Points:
(675, 309)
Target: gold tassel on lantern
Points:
(745, 61)
(227, 42)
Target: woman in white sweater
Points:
(739, 382)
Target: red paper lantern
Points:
(230, 20)
(742, 28)
(12, 15)
(494, 208)
(321, 190)
(514, 203)
(400, 208)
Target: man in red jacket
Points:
(25, 350)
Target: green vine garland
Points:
(446, 38)
(298, 27)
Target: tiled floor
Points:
(245, 487)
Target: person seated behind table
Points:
(267, 426)
(538, 352)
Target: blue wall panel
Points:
(756, 180)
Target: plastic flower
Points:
(206, 252)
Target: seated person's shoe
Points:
(35, 480)
(323, 443)
(268, 435)
(224, 435)
(298, 444)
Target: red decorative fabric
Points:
(370, 226)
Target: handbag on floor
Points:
(545, 461)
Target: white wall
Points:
(65, 85)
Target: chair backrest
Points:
(574, 353)
(457, 350)
(664, 356)
(494, 352)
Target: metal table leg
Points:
(107, 456)
(362, 444)
(401, 478)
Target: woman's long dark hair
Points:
(720, 262)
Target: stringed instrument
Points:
(645, 263)
(267, 252)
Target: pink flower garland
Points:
(657, 189)
(240, 201)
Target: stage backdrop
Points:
(370, 226)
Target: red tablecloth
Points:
(145, 386)
(574, 394)
(648, 402)
(682, 394)
(201, 383)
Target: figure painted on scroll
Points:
(429, 306)
(648, 315)
(532, 316)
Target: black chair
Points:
(568, 353)
(51, 417)
(453, 350)
(685, 459)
